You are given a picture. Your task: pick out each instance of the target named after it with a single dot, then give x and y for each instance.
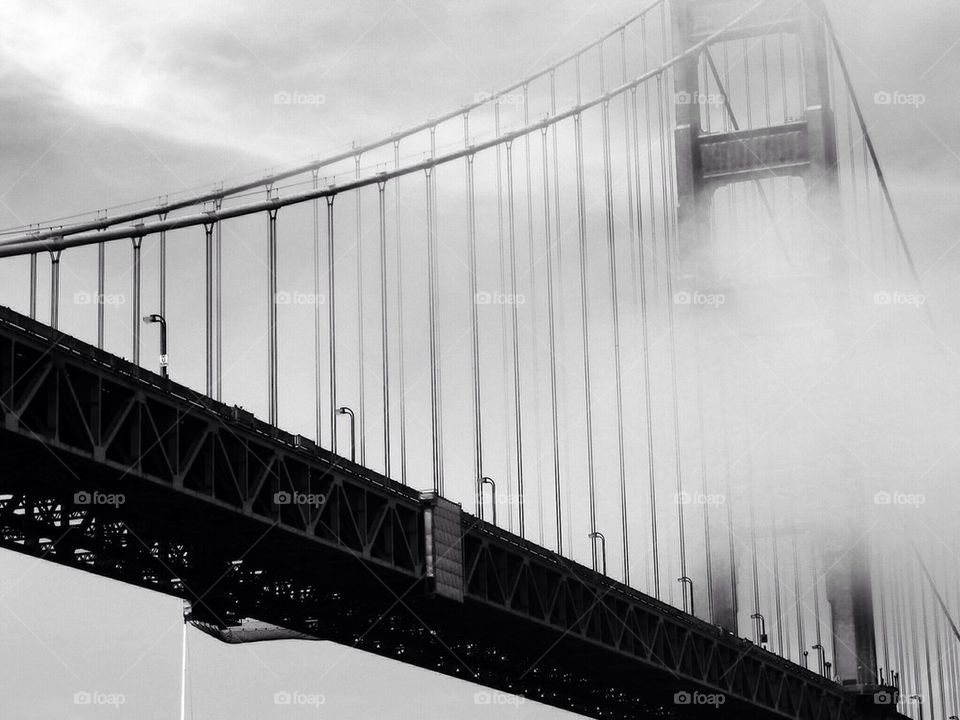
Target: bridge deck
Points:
(117, 471)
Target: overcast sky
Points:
(110, 102)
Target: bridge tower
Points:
(804, 147)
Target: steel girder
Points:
(200, 519)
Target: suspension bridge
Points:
(505, 425)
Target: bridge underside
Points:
(199, 519)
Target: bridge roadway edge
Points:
(78, 420)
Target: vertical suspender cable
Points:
(672, 219)
(400, 346)
(801, 641)
(556, 166)
(436, 301)
(615, 305)
(55, 289)
(746, 84)
(853, 177)
(873, 154)
(668, 272)
(897, 613)
(384, 328)
(785, 108)
(332, 324)
(585, 317)
(765, 76)
(753, 533)
(585, 330)
(728, 489)
(938, 649)
(551, 324)
(474, 320)
(867, 193)
(432, 302)
(316, 306)
(561, 380)
(361, 367)
(505, 352)
(208, 322)
(645, 336)
(514, 323)
(703, 107)
(707, 546)
(669, 232)
(533, 317)
(902, 646)
(881, 594)
(936, 592)
(954, 647)
(631, 211)
(272, 336)
(650, 180)
(924, 630)
(137, 242)
(778, 605)
(734, 123)
(816, 606)
(162, 280)
(955, 652)
(101, 282)
(33, 285)
(218, 257)
(912, 616)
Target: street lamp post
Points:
(353, 431)
(155, 318)
(763, 628)
(594, 536)
(822, 651)
(493, 496)
(919, 700)
(688, 582)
